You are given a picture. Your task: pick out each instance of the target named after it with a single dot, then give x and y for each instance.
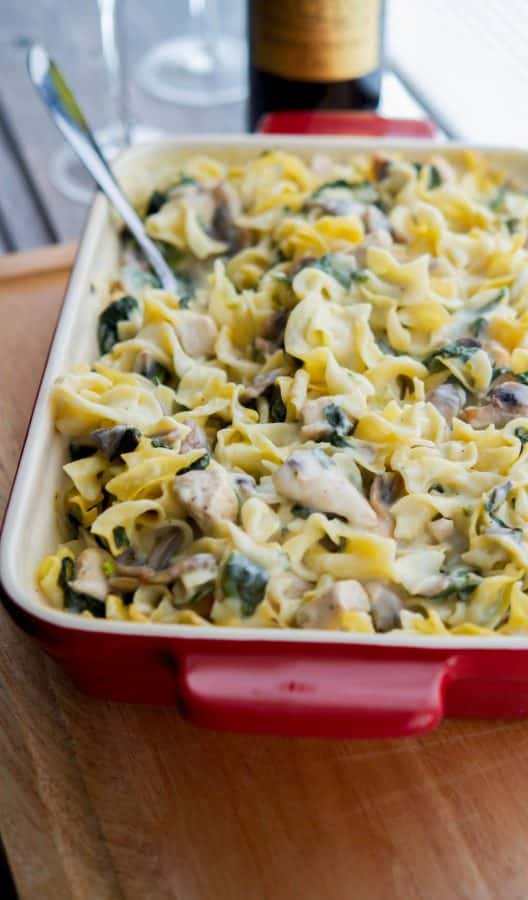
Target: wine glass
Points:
(202, 67)
(67, 174)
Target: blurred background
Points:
(461, 63)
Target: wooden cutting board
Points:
(99, 800)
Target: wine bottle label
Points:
(316, 40)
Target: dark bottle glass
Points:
(314, 54)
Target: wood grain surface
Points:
(99, 800)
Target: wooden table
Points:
(106, 801)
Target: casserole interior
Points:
(29, 528)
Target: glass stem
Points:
(204, 25)
(115, 58)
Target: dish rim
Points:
(95, 222)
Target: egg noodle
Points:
(327, 426)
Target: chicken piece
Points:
(385, 606)
(310, 478)
(89, 576)
(197, 333)
(384, 491)
(326, 611)
(195, 440)
(208, 496)
(508, 400)
(449, 399)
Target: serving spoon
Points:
(64, 110)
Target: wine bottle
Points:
(314, 54)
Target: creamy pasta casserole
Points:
(327, 426)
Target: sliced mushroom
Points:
(272, 335)
(227, 208)
(449, 399)
(384, 491)
(381, 166)
(208, 496)
(167, 546)
(144, 574)
(326, 611)
(89, 576)
(310, 478)
(197, 333)
(116, 440)
(261, 384)
(385, 606)
(508, 400)
(245, 485)
(123, 584)
(196, 439)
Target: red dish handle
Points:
(322, 693)
(343, 122)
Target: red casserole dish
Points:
(287, 682)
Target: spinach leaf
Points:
(522, 434)
(157, 442)
(121, 310)
(478, 326)
(138, 279)
(434, 179)
(73, 600)
(461, 582)
(498, 198)
(120, 537)
(339, 423)
(157, 200)
(245, 581)
(495, 499)
(304, 512)
(155, 372)
(522, 377)
(277, 409)
(463, 350)
(497, 496)
(340, 266)
(201, 463)
(512, 225)
(359, 191)
(80, 451)
(501, 293)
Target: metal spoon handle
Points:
(65, 112)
